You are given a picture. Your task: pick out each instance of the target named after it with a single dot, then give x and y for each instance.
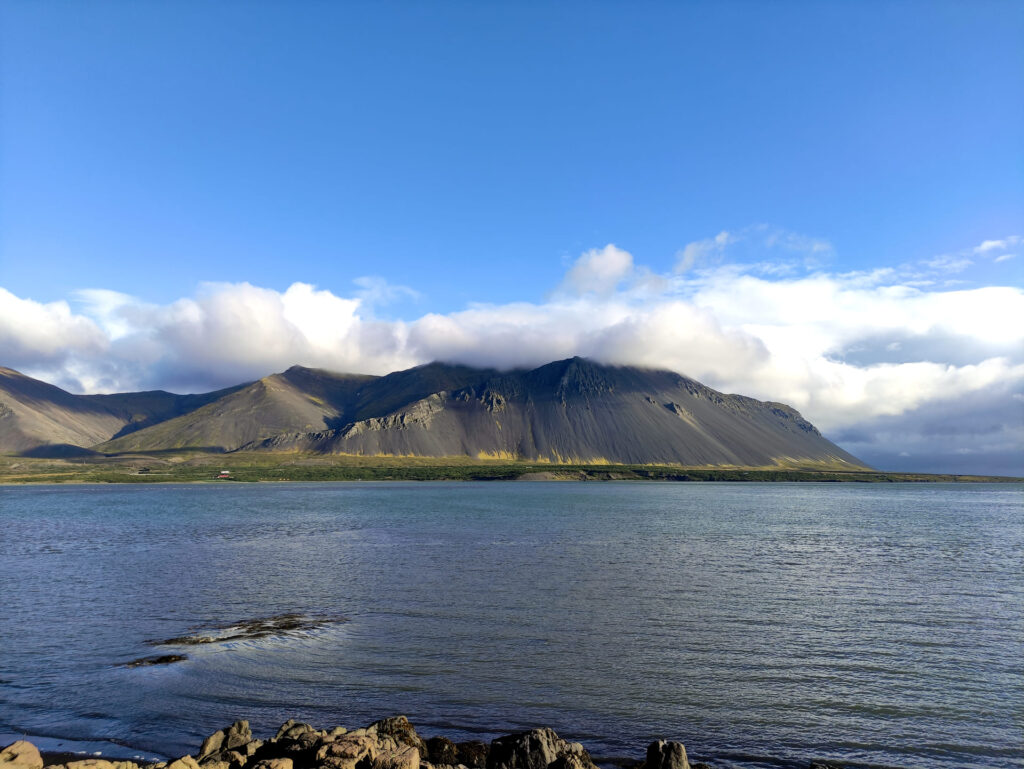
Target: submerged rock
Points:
(260, 627)
(159, 659)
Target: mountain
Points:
(574, 410)
(39, 418)
(298, 399)
(580, 411)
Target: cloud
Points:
(948, 263)
(699, 250)
(599, 271)
(871, 357)
(996, 246)
(763, 248)
(33, 334)
(978, 432)
(377, 291)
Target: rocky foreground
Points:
(388, 744)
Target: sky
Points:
(820, 203)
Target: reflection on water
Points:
(760, 624)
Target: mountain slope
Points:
(40, 418)
(580, 411)
(35, 414)
(297, 399)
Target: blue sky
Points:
(421, 162)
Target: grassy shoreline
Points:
(202, 467)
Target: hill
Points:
(41, 419)
(297, 399)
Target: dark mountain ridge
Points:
(573, 410)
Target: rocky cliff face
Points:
(573, 410)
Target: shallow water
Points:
(760, 624)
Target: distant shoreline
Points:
(264, 467)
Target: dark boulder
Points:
(472, 753)
(666, 755)
(441, 750)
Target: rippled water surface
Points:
(760, 624)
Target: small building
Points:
(224, 474)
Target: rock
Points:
(472, 753)
(21, 755)
(571, 761)
(399, 728)
(397, 756)
(185, 762)
(159, 659)
(537, 749)
(238, 735)
(250, 748)
(274, 763)
(300, 750)
(215, 763)
(212, 744)
(291, 729)
(284, 728)
(441, 750)
(303, 742)
(347, 751)
(99, 763)
(663, 754)
(529, 750)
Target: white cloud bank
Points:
(902, 371)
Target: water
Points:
(763, 625)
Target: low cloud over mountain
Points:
(906, 366)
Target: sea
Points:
(762, 625)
